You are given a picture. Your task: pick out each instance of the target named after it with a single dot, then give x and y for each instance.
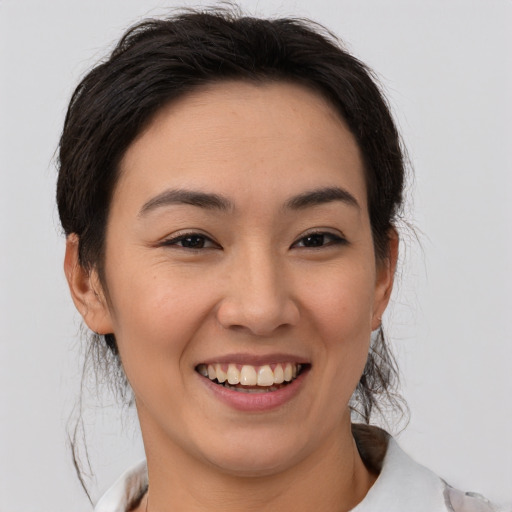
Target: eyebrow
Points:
(212, 201)
(321, 196)
(194, 198)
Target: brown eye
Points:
(314, 240)
(191, 241)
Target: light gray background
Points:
(446, 65)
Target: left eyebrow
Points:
(321, 196)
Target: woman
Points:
(229, 188)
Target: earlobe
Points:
(384, 279)
(86, 290)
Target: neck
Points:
(333, 478)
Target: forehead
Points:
(238, 136)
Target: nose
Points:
(258, 296)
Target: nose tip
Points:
(256, 317)
(260, 302)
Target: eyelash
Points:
(334, 240)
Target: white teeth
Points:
(288, 372)
(249, 375)
(222, 376)
(233, 374)
(278, 375)
(265, 376)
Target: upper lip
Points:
(255, 359)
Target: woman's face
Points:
(239, 243)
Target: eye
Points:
(191, 241)
(320, 239)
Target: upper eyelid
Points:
(187, 232)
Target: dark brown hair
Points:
(160, 60)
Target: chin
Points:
(252, 465)
(255, 455)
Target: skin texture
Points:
(255, 287)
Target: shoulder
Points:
(403, 484)
(126, 491)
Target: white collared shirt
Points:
(402, 486)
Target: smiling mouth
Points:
(252, 379)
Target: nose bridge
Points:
(258, 296)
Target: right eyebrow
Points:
(191, 197)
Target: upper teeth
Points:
(248, 375)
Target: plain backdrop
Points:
(447, 68)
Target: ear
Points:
(384, 279)
(86, 290)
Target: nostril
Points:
(258, 309)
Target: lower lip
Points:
(256, 402)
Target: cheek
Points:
(342, 298)
(340, 308)
(155, 318)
